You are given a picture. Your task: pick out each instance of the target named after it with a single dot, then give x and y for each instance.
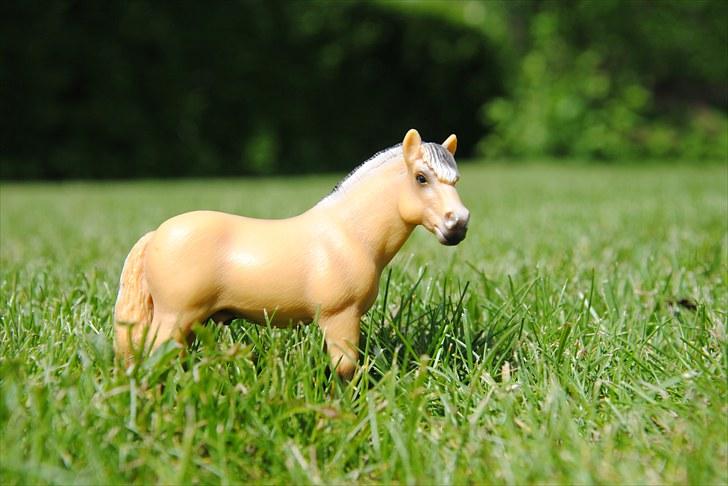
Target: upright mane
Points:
(437, 158)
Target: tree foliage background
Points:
(121, 89)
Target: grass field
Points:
(578, 335)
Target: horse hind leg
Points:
(139, 339)
(172, 326)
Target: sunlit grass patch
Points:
(577, 335)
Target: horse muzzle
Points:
(451, 237)
(454, 227)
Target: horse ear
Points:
(411, 145)
(451, 144)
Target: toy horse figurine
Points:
(324, 263)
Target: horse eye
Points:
(421, 179)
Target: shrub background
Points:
(137, 89)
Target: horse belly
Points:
(277, 317)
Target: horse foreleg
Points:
(341, 332)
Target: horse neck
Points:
(368, 212)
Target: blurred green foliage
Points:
(116, 89)
(129, 89)
(613, 80)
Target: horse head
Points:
(429, 197)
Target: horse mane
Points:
(437, 158)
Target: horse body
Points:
(218, 262)
(324, 264)
(209, 262)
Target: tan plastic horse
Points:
(325, 263)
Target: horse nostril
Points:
(450, 220)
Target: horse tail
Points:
(134, 308)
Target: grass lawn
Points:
(577, 335)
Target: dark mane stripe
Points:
(435, 156)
